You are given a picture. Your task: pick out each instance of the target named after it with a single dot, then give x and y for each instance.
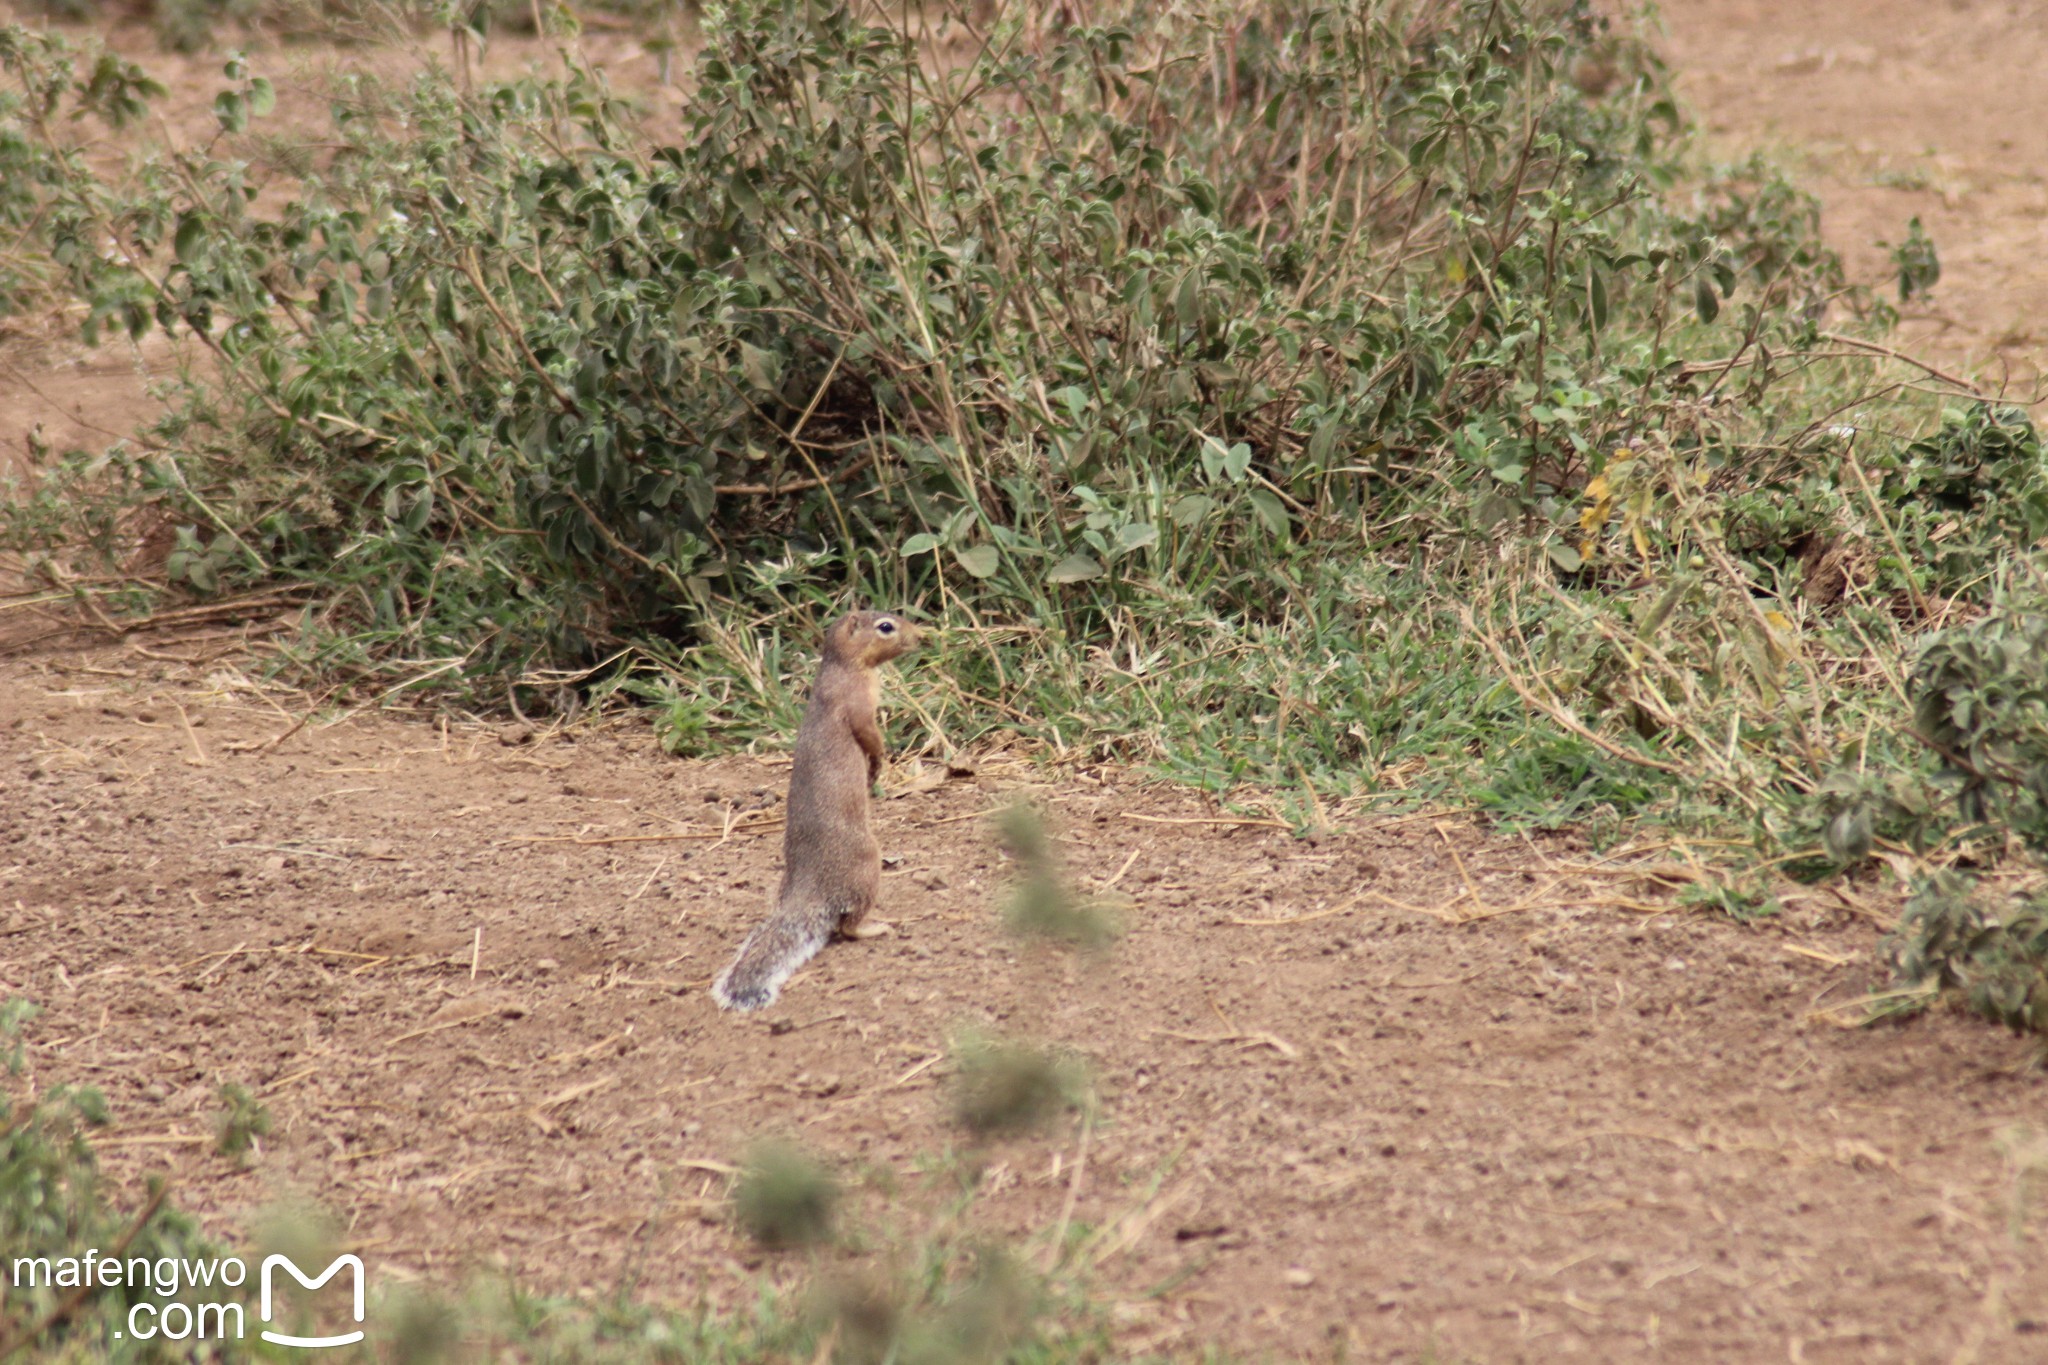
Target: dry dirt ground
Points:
(1347, 1094)
(1410, 1091)
(1888, 110)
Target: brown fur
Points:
(832, 866)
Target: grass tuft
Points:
(1043, 906)
(784, 1199)
(243, 1121)
(1002, 1086)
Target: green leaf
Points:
(701, 494)
(1847, 836)
(1271, 511)
(1704, 299)
(190, 237)
(1075, 568)
(91, 1105)
(1073, 398)
(1075, 451)
(1492, 510)
(979, 560)
(743, 197)
(923, 543)
(1191, 509)
(762, 368)
(1236, 461)
(1324, 441)
(231, 110)
(262, 97)
(1136, 536)
(1187, 300)
(1566, 558)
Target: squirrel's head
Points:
(868, 638)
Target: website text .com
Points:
(178, 1279)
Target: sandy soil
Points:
(1888, 110)
(1347, 1095)
(1399, 1091)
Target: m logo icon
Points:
(282, 1339)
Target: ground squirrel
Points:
(831, 863)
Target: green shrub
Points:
(1969, 496)
(1980, 702)
(1855, 807)
(484, 382)
(1286, 393)
(52, 1205)
(51, 88)
(1994, 952)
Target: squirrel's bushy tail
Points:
(776, 948)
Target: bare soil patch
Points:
(1490, 1097)
(1889, 110)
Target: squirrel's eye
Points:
(885, 627)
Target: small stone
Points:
(1297, 1278)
